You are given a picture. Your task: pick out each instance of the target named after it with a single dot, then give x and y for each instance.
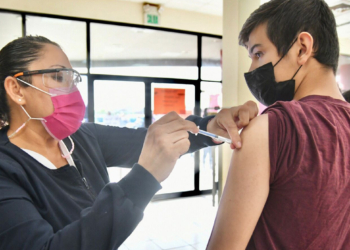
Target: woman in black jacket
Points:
(54, 186)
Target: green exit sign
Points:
(152, 19)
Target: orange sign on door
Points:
(167, 100)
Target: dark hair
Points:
(15, 57)
(347, 96)
(287, 18)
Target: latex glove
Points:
(229, 121)
(166, 140)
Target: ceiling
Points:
(214, 7)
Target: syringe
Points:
(214, 136)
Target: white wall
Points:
(344, 44)
(118, 11)
(235, 63)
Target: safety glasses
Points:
(61, 78)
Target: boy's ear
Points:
(306, 43)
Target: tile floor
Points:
(176, 224)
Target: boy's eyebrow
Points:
(253, 47)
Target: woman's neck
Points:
(33, 135)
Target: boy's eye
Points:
(258, 54)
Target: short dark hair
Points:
(287, 18)
(347, 96)
(15, 57)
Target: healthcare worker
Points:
(54, 186)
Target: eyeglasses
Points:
(61, 78)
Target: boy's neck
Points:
(318, 81)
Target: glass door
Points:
(119, 103)
(211, 103)
(122, 104)
(180, 98)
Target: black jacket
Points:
(77, 208)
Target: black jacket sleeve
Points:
(104, 226)
(122, 146)
(200, 141)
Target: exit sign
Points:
(152, 19)
(151, 14)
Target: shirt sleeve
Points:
(104, 226)
(282, 143)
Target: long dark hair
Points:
(15, 57)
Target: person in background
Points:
(346, 95)
(54, 186)
(288, 187)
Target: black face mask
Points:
(265, 89)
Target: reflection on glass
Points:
(211, 97)
(119, 103)
(211, 59)
(211, 103)
(182, 177)
(208, 157)
(343, 73)
(10, 28)
(69, 34)
(119, 50)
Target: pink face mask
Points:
(69, 110)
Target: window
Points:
(211, 103)
(83, 88)
(119, 103)
(343, 74)
(69, 34)
(182, 177)
(211, 59)
(132, 51)
(10, 28)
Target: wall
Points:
(235, 63)
(344, 46)
(119, 11)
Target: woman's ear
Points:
(14, 90)
(306, 43)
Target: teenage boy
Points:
(288, 187)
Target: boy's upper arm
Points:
(246, 189)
